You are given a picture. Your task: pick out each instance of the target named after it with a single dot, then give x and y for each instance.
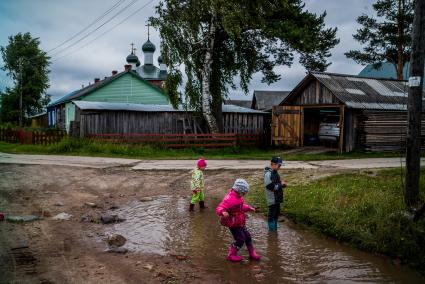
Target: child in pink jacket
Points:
(232, 211)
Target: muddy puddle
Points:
(164, 226)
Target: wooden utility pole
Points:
(414, 107)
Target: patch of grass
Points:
(70, 146)
(362, 209)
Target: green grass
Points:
(69, 146)
(365, 209)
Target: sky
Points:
(77, 63)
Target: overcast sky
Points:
(55, 21)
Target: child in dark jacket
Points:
(232, 211)
(274, 191)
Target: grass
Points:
(69, 146)
(365, 209)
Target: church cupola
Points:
(162, 65)
(148, 49)
(132, 58)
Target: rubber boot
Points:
(252, 253)
(202, 205)
(233, 254)
(275, 224)
(272, 226)
(191, 207)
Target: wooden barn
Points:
(125, 118)
(371, 113)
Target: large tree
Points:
(219, 40)
(386, 38)
(27, 65)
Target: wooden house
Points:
(372, 112)
(125, 87)
(129, 118)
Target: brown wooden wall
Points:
(384, 130)
(102, 122)
(315, 93)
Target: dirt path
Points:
(50, 251)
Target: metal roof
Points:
(151, 72)
(241, 103)
(265, 100)
(86, 105)
(360, 92)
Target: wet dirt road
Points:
(177, 247)
(163, 226)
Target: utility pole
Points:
(20, 92)
(414, 107)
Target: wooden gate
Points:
(286, 125)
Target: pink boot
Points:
(233, 254)
(252, 254)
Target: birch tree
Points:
(222, 42)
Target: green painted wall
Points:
(69, 115)
(128, 89)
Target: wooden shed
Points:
(125, 118)
(371, 112)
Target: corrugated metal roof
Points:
(241, 103)
(265, 100)
(365, 93)
(87, 105)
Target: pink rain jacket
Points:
(236, 207)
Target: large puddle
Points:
(164, 226)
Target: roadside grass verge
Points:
(365, 209)
(85, 147)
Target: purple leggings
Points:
(241, 236)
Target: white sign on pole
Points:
(414, 81)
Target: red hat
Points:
(201, 163)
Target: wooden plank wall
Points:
(384, 130)
(315, 94)
(100, 122)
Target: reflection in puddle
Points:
(164, 226)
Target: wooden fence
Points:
(23, 136)
(218, 140)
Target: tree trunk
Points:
(206, 86)
(400, 33)
(414, 106)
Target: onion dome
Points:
(148, 47)
(138, 63)
(132, 58)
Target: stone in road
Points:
(137, 164)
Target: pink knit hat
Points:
(201, 163)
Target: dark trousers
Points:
(274, 212)
(241, 236)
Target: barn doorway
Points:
(321, 126)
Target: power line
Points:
(100, 26)
(91, 24)
(107, 31)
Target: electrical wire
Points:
(89, 25)
(107, 31)
(96, 29)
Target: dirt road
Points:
(166, 244)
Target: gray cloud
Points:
(55, 21)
